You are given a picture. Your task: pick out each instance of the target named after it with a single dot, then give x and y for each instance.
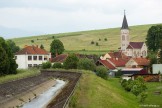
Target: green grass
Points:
(152, 98)
(95, 92)
(20, 74)
(79, 41)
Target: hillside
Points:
(81, 41)
(95, 92)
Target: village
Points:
(129, 76)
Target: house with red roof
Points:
(132, 49)
(31, 56)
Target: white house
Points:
(132, 49)
(31, 56)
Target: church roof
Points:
(124, 24)
(135, 45)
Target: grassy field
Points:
(81, 41)
(94, 92)
(20, 74)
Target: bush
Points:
(105, 39)
(46, 65)
(71, 62)
(96, 43)
(92, 42)
(99, 39)
(101, 71)
(86, 64)
(57, 65)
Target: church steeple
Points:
(124, 24)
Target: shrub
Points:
(96, 43)
(57, 65)
(99, 39)
(86, 64)
(46, 65)
(143, 96)
(71, 62)
(92, 42)
(105, 39)
(118, 73)
(101, 71)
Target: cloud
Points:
(53, 16)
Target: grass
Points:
(20, 74)
(95, 92)
(154, 99)
(81, 41)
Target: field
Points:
(80, 42)
(94, 92)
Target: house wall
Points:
(131, 63)
(144, 48)
(23, 62)
(106, 56)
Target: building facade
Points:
(132, 49)
(31, 56)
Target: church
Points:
(131, 49)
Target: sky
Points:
(20, 18)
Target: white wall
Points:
(22, 60)
(157, 68)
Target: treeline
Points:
(7, 62)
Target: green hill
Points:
(81, 41)
(95, 92)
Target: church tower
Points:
(124, 35)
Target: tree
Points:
(32, 41)
(3, 61)
(101, 71)
(96, 43)
(154, 35)
(71, 62)
(92, 42)
(41, 46)
(86, 64)
(46, 65)
(105, 39)
(57, 65)
(13, 46)
(57, 47)
(10, 65)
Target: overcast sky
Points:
(20, 18)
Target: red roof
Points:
(60, 58)
(107, 64)
(32, 50)
(136, 45)
(142, 61)
(118, 62)
(118, 54)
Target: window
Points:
(29, 57)
(15, 57)
(35, 65)
(123, 37)
(45, 57)
(34, 57)
(29, 65)
(40, 57)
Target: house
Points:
(31, 56)
(138, 63)
(132, 49)
(59, 58)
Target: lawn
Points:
(81, 41)
(20, 74)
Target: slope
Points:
(81, 41)
(94, 92)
